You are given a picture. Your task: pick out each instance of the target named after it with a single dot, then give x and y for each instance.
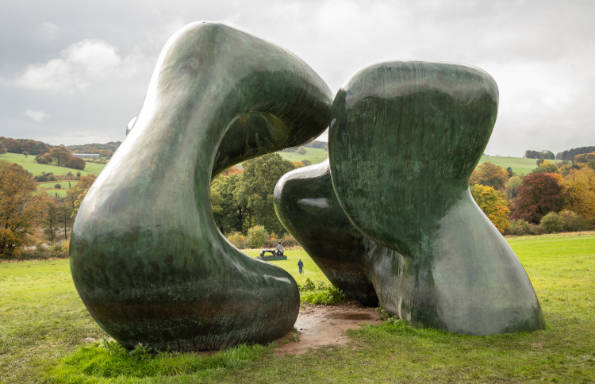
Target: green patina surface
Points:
(404, 138)
(146, 256)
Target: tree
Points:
(229, 214)
(546, 166)
(489, 174)
(571, 153)
(539, 194)
(255, 190)
(579, 191)
(493, 204)
(75, 195)
(511, 188)
(17, 207)
(75, 162)
(50, 222)
(243, 200)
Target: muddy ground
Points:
(320, 326)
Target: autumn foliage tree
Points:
(17, 207)
(493, 204)
(539, 194)
(489, 174)
(579, 191)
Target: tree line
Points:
(552, 198)
(29, 221)
(564, 155)
(62, 157)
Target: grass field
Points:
(315, 155)
(519, 165)
(46, 335)
(50, 187)
(36, 169)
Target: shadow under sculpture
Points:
(404, 138)
(146, 256)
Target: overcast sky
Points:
(77, 71)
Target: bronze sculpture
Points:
(392, 205)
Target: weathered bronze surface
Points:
(146, 256)
(306, 205)
(404, 138)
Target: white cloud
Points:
(49, 30)
(36, 115)
(78, 66)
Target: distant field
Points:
(50, 187)
(315, 155)
(519, 165)
(36, 169)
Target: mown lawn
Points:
(315, 155)
(46, 335)
(29, 163)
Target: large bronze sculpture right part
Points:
(404, 138)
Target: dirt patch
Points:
(319, 326)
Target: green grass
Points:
(519, 165)
(49, 187)
(46, 335)
(36, 169)
(311, 270)
(315, 155)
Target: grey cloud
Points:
(541, 54)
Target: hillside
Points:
(29, 163)
(520, 166)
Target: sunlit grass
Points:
(45, 331)
(28, 162)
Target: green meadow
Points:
(314, 155)
(29, 163)
(46, 335)
(519, 165)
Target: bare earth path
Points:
(319, 326)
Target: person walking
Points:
(301, 266)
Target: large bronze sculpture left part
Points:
(146, 256)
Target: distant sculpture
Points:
(146, 256)
(398, 224)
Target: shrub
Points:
(328, 296)
(519, 227)
(289, 241)
(237, 239)
(535, 229)
(551, 223)
(308, 285)
(572, 221)
(57, 186)
(257, 236)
